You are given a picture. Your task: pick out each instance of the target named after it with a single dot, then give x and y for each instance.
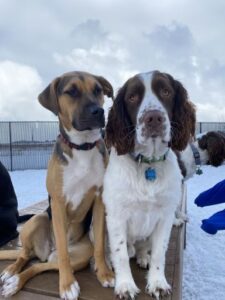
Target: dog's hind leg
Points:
(104, 274)
(143, 249)
(80, 255)
(35, 238)
(9, 254)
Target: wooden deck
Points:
(45, 286)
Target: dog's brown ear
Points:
(106, 85)
(48, 98)
(183, 118)
(120, 131)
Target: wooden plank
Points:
(23, 295)
(181, 240)
(45, 286)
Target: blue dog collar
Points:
(197, 159)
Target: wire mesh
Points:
(28, 145)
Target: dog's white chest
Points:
(142, 222)
(84, 170)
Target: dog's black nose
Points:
(96, 110)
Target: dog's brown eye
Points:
(97, 91)
(73, 92)
(165, 92)
(133, 98)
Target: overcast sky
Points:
(114, 38)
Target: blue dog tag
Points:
(150, 174)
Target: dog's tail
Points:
(24, 218)
(9, 254)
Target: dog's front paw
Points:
(143, 260)
(11, 286)
(71, 292)
(178, 222)
(126, 289)
(180, 219)
(106, 277)
(9, 272)
(4, 276)
(158, 287)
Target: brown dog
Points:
(74, 183)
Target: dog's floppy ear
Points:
(48, 98)
(106, 86)
(183, 118)
(119, 129)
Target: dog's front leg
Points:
(104, 274)
(156, 280)
(125, 286)
(68, 286)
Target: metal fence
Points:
(210, 126)
(28, 145)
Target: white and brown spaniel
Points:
(150, 118)
(208, 149)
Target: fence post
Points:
(10, 146)
(200, 127)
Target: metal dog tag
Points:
(150, 174)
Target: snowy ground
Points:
(204, 257)
(29, 186)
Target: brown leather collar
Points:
(85, 146)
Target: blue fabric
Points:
(214, 223)
(215, 195)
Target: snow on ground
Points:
(29, 186)
(204, 257)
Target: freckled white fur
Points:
(83, 171)
(150, 102)
(137, 209)
(140, 212)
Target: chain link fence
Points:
(28, 145)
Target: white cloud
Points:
(210, 112)
(19, 88)
(120, 38)
(110, 58)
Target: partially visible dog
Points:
(150, 117)
(8, 208)
(208, 149)
(214, 143)
(74, 183)
(9, 217)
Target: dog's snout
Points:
(96, 111)
(154, 118)
(154, 123)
